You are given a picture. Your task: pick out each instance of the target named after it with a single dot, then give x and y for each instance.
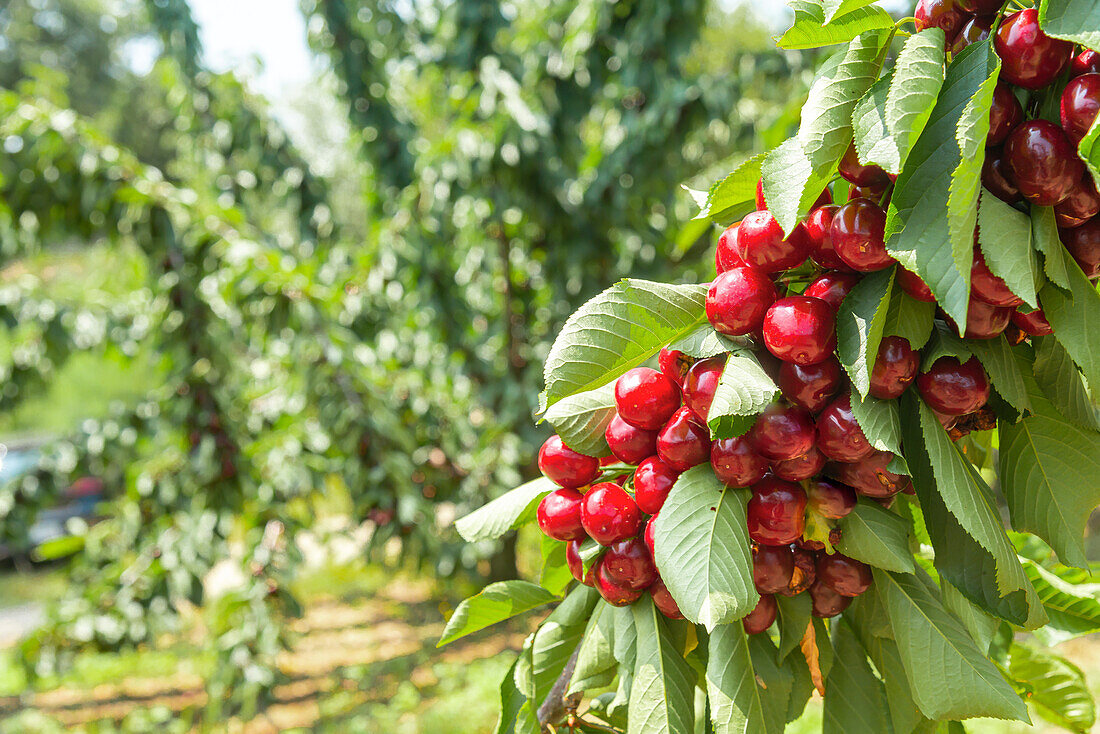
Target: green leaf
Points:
(1072, 20)
(661, 698)
(1054, 686)
(1060, 382)
(890, 117)
(617, 330)
(1003, 370)
(794, 615)
(511, 702)
(595, 661)
(876, 536)
(878, 419)
(909, 318)
(1044, 229)
(904, 714)
(776, 682)
(810, 30)
(505, 513)
(859, 324)
(1089, 150)
(554, 575)
(734, 196)
(981, 625)
(590, 551)
(1004, 233)
(856, 700)
(495, 603)
(1073, 608)
(705, 342)
(581, 419)
(836, 8)
(1076, 318)
(735, 706)
(558, 637)
(743, 392)
(701, 533)
(625, 644)
(944, 343)
(791, 183)
(949, 675)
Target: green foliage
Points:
(744, 391)
(495, 603)
(876, 536)
(859, 326)
(732, 690)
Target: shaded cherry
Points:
(725, 256)
(1082, 204)
(896, 367)
(614, 593)
(663, 600)
(870, 477)
(943, 14)
(566, 467)
(653, 480)
(738, 299)
(800, 329)
(912, 284)
(609, 514)
(761, 245)
(830, 499)
(810, 387)
(772, 566)
(979, 7)
(954, 388)
(1042, 162)
(702, 381)
(858, 233)
(645, 398)
(858, 174)
(800, 467)
(629, 444)
(1029, 57)
(674, 364)
(1079, 106)
(997, 178)
(984, 320)
(1083, 243)
(826, 602)
(818, 226)
(782, 432)
(839, 436)
(846, 576)
(776, 511)
(974, 30)
(1004, 114)
(629, 563)
(805, 571)
(684, 442)
(576, 565)
(559, 515)
(1086, 62)
(833, 287)
(988, 287)
(762, 615)
(1033, 323)
(736, 463)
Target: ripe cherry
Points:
(810, 387)
(628, 562)
(1029, 57)
(559, 515)
(805, 571)
(953, 388)
(1083, 243)
(997, 178)
(629, 444)
(650, 539)
(986, 321)
(943, 14)
(1080, 103)
(565, 466)
(833, 287)
(576, 565)
(830, 499)
(846, 576)
(674, 364)
(762, 616)
(800, 329)
(895, 368)
(1034, 323)
(826, 602)
(800, 467)
(1042, 162)
(818, 227)
(738, 299)
(988, 287)
(1086, 62)
(614, 593)
(702, 381)
(1004, 114)
(684, 442)
(974, 30)
(609, 514)
(858, 233)
(772, 566)
(663, 600)
(645, 398)
(736, 463)
(870, 477)
(761, 244)
(782, 432)
(776, 511)
(979, 7)
(653, 480)
(1082, 204)
(839, 436)
(859, 174)
(726, 257)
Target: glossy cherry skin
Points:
(805, 571)
(846, 576)
(1086, 62)
(609, 514)
(810, 387)
(952, 388)
(943, 14)
(650, 539)
(895, 368)
(653, 480)
(566, 467)
(701, 382)
(986, 321)
(1042, 162)
(861, 175)
(645, 398)
(1029, 57)
(629, 444)
(762, 615)
(818, 226)
(1079, 105)
(826, 602)
(858, 233)
(736, 463)
(576, 565)
(782, 432)
(979, 7)
(800, 467)
(1004, 114)
(1082, 204)
(830, 499)
(628, 562)
(772, 566)
(684, 442)
(912, 284)
(663, 600)
(988, 287)
(559, 515)
(614, 593)
(726, 257)
(1084, 244)
(839, 436)
(997, 178)
(738, 299)
(1034, 323)
(800, 329)
(833, 287)
(870, 477)
(761, 244)
(974, 30)
(674, 364)
(776, 511)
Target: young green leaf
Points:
(1003, 370)
(505, 513)
(701, 533)
(878, 419)
(705, 342)
(1075, 317)
(1071, 20)
(856, 699)
(595, 661)
(1004, 234)
(1060, 382)
(554, 575)
(874, 535)
(909, 318)
(794, 615)
(1044, 232)
(590, 551)
(837, 8)
(661, 698)
(581, 419)
(1054, 686)
(743, 392)
(495, 603)
(859, 325)
(731, 198)
(558, 637)
(734, 695)
(810, 29)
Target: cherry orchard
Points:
(779, 481)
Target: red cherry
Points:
(914, 286)
(1084, 244)
(663, 600)
(858, 233)
(1082, 204)
(1004, 114)
(761, 202)
(818, 226)
(810, 387)
(726, 257)
(559, 515)
(839, 436)
(684, 442)
(609, 514)
(629, 444)
(736, 463)
(775, 511)
(952, 388)
(832, 500)
(674, 364)
(565, 466)
(859, 174)
(1042, 162)
(800, 329)
(782, 432)
(761, 245)
(986, 321)
(974, 30)
(1029, 57)
(1086, 62)
(701, 382)
(1080, 103)
(997, 178)
(576, 565)
(645, 398)
(871, 478)
(629, 563)
(846, 576)
(738, 299)
(653, 480)
(988, 287)
(772, 566)
(943, 14)
(1033, 324)
(648, 537)
(800, 467)
(833, 287)
(805, 571)
(876, 194)
(762, 615)
(826, 602)
(895, 368)
(614, 593)
(979, 7)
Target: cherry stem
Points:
(1000, 17)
